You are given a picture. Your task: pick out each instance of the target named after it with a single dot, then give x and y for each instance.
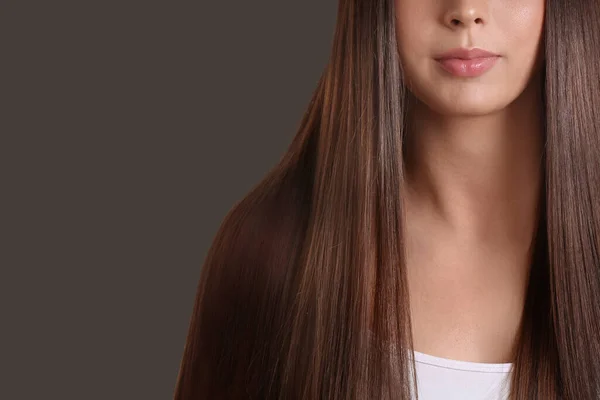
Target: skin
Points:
(473, 173)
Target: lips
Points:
(467, 62)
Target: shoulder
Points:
(243, 296)
(261, 229)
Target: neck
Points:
(478, 176)
(472, 191)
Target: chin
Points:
(465, 104)
(465, 108)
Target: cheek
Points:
(522, 24)
(411, 32)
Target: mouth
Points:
(463, 62)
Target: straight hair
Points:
(303, 293)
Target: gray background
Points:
(128, 131)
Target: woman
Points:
(434, 228)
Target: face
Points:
(452, 84)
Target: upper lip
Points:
(465, 54)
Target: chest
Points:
(465, 316)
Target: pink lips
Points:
(467, 63)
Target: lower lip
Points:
(468, 68)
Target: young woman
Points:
(433, 230)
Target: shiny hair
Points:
(303, 293)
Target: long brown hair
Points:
(303, 294)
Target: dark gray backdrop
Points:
(128, 132)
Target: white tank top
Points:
(442, 378)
